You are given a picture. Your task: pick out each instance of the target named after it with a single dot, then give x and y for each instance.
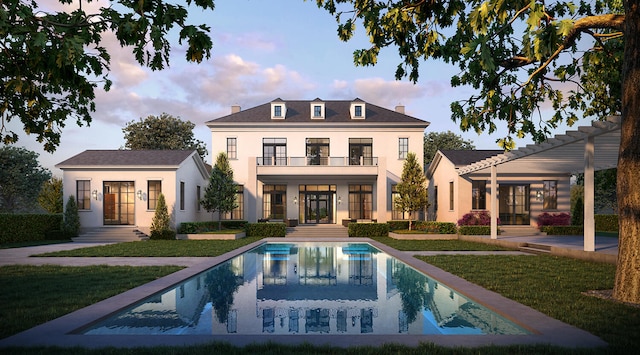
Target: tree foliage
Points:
(220, 194)
(434, 141)
(52, 62)
(71, 221)
(161, 222)
(21, 178)
(162, 132)
(50, 197)
(604, 186)
(412, 188)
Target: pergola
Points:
(585, 150)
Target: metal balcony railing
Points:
(317, 161)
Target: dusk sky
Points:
(262, 50)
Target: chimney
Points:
(235, 108)
(400, 109)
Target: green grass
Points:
(437, 245)
(32, 295)
(32, 243)
(160, 248)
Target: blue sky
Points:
(262, 50)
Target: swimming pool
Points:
(328, 288)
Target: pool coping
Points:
(62, 331)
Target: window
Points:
(181, 195)
(277, 111)
(403, 148)
(357, 111)
(317, 151)
(83, 194)
(478, 194)
(435, 200)
(232, 148)
(360, 151)
(198, 190)
(397, 213)
(154, 188)
(451, 195)
(317, 111)
(550, 195)
(360, 201)
(274, 151)
(238, 212)
(275, 201)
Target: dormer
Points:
(358, 110)
(278, 109)
(317, 109)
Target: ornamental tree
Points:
(220, 194)
(412, 188)
(579, 59)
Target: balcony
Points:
(335, 166)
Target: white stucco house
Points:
(522, 194)
(121, 187)
(317, 162)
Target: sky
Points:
(262, 50)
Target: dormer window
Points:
(317, 109)
(278, 110)
(358, 110)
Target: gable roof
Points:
(466, 157)
(299, 111)
(127, 158)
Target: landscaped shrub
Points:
(276, 229)
(563, 230)
(71, 222)
(368, 230)
(475, 230)
(577, 213)
(606, 222)
(556, 219)
(396, 225)
(18, 227)
(431, 227)
(476, 218)
(160, 225)
(209, 226)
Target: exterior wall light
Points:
(339, 200)
(295, 200)
(139, 194)
(94, 194)
(539, 195)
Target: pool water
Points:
(308, 288)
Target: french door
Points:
(119, 202)
(514, 204)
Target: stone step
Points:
(535, 248)
(110, 235)
(515, 231)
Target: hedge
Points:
(209, 226)
(429, 227)
(475, 230)
(606, 222)
(563, 230)
(22, 227)
(275, 229)
(368, 230)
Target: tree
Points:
(520, 56)
(161, 223)
(71, 219)
(412, 188)
(21, 178)
(50, 197)
(434, 141)
(220, 194)
(604, 186)
(162, 132)
(52, 62)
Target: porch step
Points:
(535, 248)
(520, 231)
(318, 231)
(110, 235)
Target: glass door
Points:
(514, 204)
(119, 202)
(318, 208)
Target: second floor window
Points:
(277, 111)
(317, 151)
(232, 148)
(403, 148)
(317, 111)
(274, 151)
(478, 194)
(358, 111)
(360, 151)
(550, 195)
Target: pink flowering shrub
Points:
(476, 218)
(556, 219)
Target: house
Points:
(121, 187)
(317, 162)
(522, 194)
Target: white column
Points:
(589, 219)
(494, 202)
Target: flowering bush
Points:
(556, 219)
(477, 218)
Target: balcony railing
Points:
(317, 161)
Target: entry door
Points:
(318, 208)
(119, 202)
(514, 204)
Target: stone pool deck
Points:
(63, 331)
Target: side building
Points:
(317, 162)
(115, 188)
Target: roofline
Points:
(359, 124)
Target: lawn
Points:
(552, 285)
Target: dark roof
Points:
(127, 158)
(466, 157)
(299, 111)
